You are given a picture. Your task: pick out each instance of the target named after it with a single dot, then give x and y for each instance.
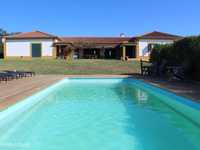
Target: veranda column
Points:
(123, 52)
(59, 51)
(137, 51)
(54, 51)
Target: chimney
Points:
(122, 35)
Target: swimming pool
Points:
(108, 114)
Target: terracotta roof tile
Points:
(97, 40)
(159, 35)
(34, 34)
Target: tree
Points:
(3, 32)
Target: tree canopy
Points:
(3, 32)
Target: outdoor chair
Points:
(3, 78)
(23, 73)
(6, 77)
(27, 73)
(15, 75)
(176, 72)
(146, 68)
(19, 74)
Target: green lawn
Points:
(82, 66)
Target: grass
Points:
(77, 67)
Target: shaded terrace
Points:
(94, 48)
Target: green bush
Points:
(185, 52)
(162, 52)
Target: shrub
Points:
(185, 52)
(162, 52)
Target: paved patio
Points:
(17, 90)
(189, 90)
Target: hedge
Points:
(185, 52)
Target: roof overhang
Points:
(93, 45)
(159, 38)
(128, 44)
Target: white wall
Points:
(143, 45)
(21, 47)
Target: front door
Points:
(36, 49)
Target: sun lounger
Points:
(3, 78)
(6, 77)
(18, 74)
(27, 73)
(13, 74)
(9, 75)
(22, 73)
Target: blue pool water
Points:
(101, 114)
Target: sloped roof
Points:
(159, 35)
(97, 40)
(31, 35)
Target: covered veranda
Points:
(62, 50)
(129, 51)
(66, 50)
(96, 51)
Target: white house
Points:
(148, 40)
(40, 44)
(31, 44)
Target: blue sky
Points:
(101, 17)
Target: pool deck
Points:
(16, 90)
(190, 90)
